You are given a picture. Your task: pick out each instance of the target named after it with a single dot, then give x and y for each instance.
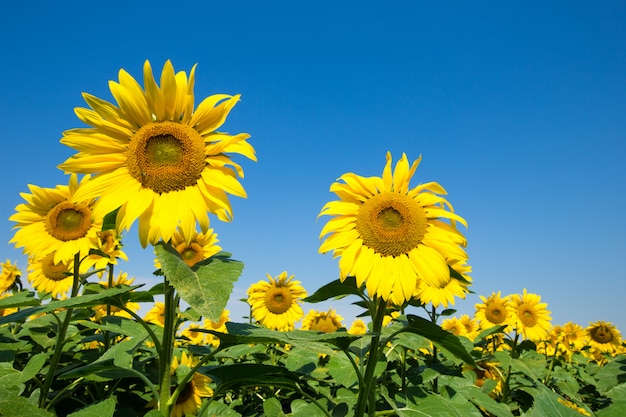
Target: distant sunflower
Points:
(190, 398)
(276, 304)
(56, 220)
(48, 276)
(109, 250)
(9, 276)
(358, 327)
(604, 336)
(195, 247)
(156, 315)
(574, 336)
(494, 311)
(443, 292)
(389, 236)
(532, 318)
(325, 322)
(218, 326)
(101, 310)
(461, 326)
(155, 156)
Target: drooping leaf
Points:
(20, 299)
(335, 289)
(104, 408)
(440, 338)
(207, 288)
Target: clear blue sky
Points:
(519, 111)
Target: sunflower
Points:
(441, 293)
(108, 250)
(494, 311)
(57, 220)
(156, 157)
(48, 276)
(10, 276)
(101, 310)
(389, 236)
(194, 247)
(604, 337)
(190, 398)
(574, 336)
(325, 322)
(156, 315)
(554, 344)
(275, 304)
(532, 318)
(358, 327)
(218, 326)
(573, 406)
(461, 326)
(192, 336)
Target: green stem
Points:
(367, 393)
(506, 385)
(167, 347)
(58, 348)
(107, 334)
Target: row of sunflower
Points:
(76, 344)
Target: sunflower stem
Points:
(58, 348)
(367, 392)
(167, 347)
(107, 333)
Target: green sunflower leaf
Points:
(335, 289)
(440, 338)
(206, 287)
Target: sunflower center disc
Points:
(166, 156)
(68, 221)
(278, 300)
(495, 315)
(191, 254)
(391, 224)
(527, 317)
(52, 271)
(602, 335)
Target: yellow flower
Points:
(485, 371)
(109, 250)
(463, 326)
(574, 336)
(218, 326)
(190, 398)
(442, 293)
(6, 311)
(9, 276)
(358, 327)
(48, 276)
(494, 311)
(101, 310)
(573, 406)
(57, 220)
(194, 247)
(275, 304)
(157, 158)
(325, 322)
(604, 337)
(389, 236)
(388, 318)
(532, 318)
(156, 315)
(554, 344)
(192, 336)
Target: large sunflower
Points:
(532, 318)
(389, 236)
(276, 304)
(156, 157)
(57, 220)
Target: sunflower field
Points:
(73, 343)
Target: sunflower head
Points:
(390, 236)
(194, 247)
(51, 277)
(358, 327)
(190, 398)
(604, 336)
(157, 157)
(156, 315)
(532, 318)
(276, 303)
(9, 276)
(55, 220)
(325, 322)
(494, 311)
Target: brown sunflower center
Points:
(278, 300)
(52, 271)
(602, 334)
(527, 316)
(68, 221)
(191, 254)
(166, 156)
(391, 224)
(186, 393)
(495, 314)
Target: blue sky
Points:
(519, 111)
